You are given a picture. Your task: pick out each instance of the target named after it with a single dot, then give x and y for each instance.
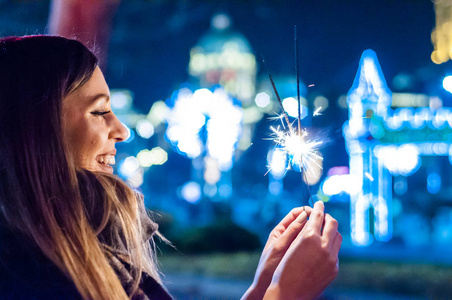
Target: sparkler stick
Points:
(294, 141)
(303, 171)
(286, 117)
(298, 77)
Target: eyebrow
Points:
(98, 96)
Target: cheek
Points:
(91, 143)
(84, 142)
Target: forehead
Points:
(95, 90)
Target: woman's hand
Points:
(311, 262)
(276, 247)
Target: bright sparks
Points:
(301, 150)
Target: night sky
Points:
(151, 40)
(150, 44)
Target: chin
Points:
(105, 169)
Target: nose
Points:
(118, 131)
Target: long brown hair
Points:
(39, 188)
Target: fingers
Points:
(316, 219)
(292, 216)
(330, 228)
(292, 231)
(337, 243)
(288, 229)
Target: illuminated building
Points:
(224, 57)
(383, 142)
(205, 126)
(209, 123)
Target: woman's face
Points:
(89, 126)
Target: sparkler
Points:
(294, 141)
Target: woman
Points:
(69, 229)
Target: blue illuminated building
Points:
(387, 144)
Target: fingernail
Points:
(319, 203)
(302, 217)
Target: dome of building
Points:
(223, 56)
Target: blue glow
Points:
(440, 118)
(128, 167)
(275, 187)
(130, 134)
(383, 220)
(225, 191)
(433, 182)
(369, 87)
(369, 101)
(360, 221)
(400, 185)
(210, 190)
(393, 123)
(191, 192)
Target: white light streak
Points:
(369, 176)
(317, 112)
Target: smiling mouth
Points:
(106, 160)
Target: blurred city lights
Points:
(275, 188)
(191, 192)
(277, 163)
(128, 167)
(156, 156)
(442, 33)
(433, 182)
(145, 129)
(290, 105)
(212, 173)
(137, 178)
(435, 103)
(342, 102)
(447, 83)
(221, 21)
(225, 191)
(402, 160)
(400, 185)
(223, 56)
(251, 115)
(262, 99)
(321, 103)
(369, 101)
(121, 100)
(217, 113)
(158, 113)
(337, 184)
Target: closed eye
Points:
(100, 113)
